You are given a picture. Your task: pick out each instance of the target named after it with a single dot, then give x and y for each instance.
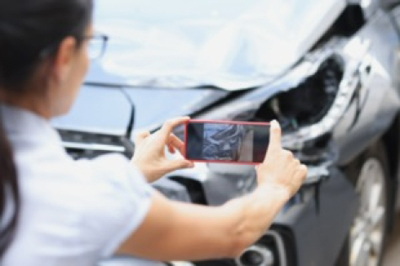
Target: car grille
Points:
(88, 145)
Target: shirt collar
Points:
(23, 123)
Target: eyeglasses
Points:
(97, 45)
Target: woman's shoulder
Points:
(98, 201)
(84, 186)
(114, 169)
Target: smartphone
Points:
(226, 141)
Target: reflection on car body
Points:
(330, 79)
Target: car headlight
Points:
(307, 107)
(308, 102)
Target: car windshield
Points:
(223, 43)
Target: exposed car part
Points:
(349, 85)
(307, 111)
(308, 102)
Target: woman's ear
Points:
(63, 61)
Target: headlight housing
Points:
(307, 102)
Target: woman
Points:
(56, 211)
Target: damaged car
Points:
(326, 70)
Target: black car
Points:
(327, 70)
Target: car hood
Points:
(109, 109)
(148, 70)
(181, 43)
(99, 110)
(154, 106)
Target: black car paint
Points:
(381, 104)
(96, 102)
(320, 220)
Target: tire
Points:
(366, 239)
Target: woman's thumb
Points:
(275, 135)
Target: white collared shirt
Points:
(73, 212)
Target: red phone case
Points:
(220, 122)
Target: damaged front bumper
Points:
(312, 220)
(349, 84)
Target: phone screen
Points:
(241, 142)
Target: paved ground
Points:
(392, 256)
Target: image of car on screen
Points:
(226, 142)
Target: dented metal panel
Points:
(333, 93)
(243, 46)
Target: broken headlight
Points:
(308, 102)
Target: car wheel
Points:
(367, 236)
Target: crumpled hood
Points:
(179, 43)
(157, 56)
(154, 106)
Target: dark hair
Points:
(30, 32)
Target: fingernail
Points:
(274, 123)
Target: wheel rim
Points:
(366, 234)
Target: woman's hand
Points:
(231, 227)
(150, 151)
(280, 168)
